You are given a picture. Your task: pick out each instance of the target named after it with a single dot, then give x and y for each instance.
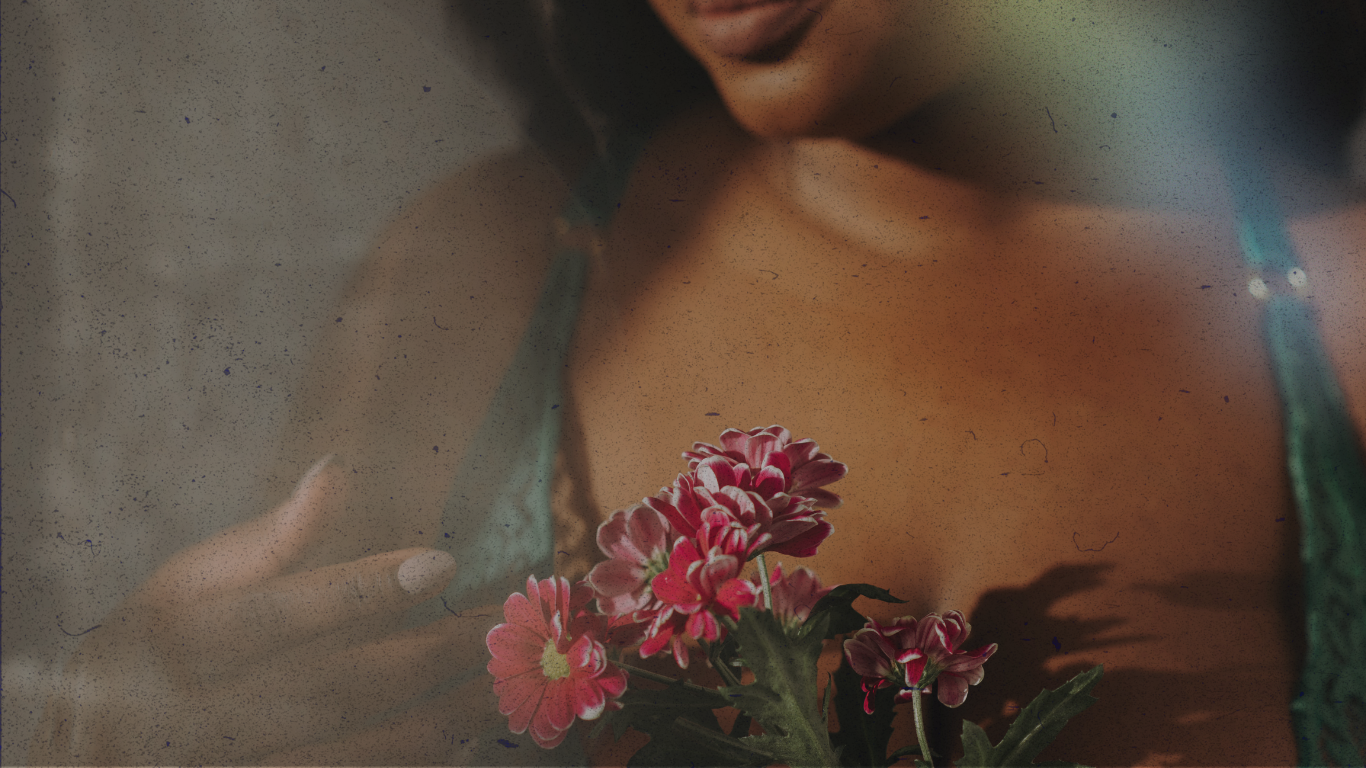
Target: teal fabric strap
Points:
(1328, 479)
(498, 521)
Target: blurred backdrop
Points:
(185, 187)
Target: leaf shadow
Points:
(1139, 711)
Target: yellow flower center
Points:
(554, 664)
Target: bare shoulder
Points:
(423, 333)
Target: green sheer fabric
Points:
(1328, 478)
(498, 521)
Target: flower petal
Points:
(702, 626)
(953, 690)
(558, 703)
(589, 700)
(806, 543)
(956, 630)
(547, 736)
(735, 594)
(518, 609)
(612, 578)
(673, 587)
(915, 670)
(865, 657)
(658, 636)
(519, 697)
(680, 651)
(801, 452)
(815, 474)
(515, 649)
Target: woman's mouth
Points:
(744, 28)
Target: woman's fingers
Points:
(224, 631)
(254, 551)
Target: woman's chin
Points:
(772, 109)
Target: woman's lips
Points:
(740, 28)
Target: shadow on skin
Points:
(1177, 709)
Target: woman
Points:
(985, 255)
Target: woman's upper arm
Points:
(423, 334)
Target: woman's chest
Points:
(1087, 462)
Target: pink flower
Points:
(916, 654)
(793, 596)
(638, 541)
(693, 591)
(801, 465)
(548, 665)
(779, 522)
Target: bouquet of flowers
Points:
(674, 572)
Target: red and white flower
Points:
(694, 591)
(548, 664)
(794, 595)
(914, 655)
(803, 467)
(638, 541)
(780, 522)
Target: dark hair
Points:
(1326, 57)
(590, 69)
(579, 84)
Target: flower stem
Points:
(920, 729)
(768, 589)
(658, 678)
(724, 744)
(719, 664)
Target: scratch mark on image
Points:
(1050, 119)
(771, 272)
(76, 634)
(1045, 455)
(91, 545)
(1102, 546)
(438, 325)
(1035, 440)
(460, 615)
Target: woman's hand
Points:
(226, 656)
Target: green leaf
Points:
(656, 712)
(684, 742)
(839, 605)
(783, 696)
(863, 738)
(1034, 728)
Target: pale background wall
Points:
(186, 184)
